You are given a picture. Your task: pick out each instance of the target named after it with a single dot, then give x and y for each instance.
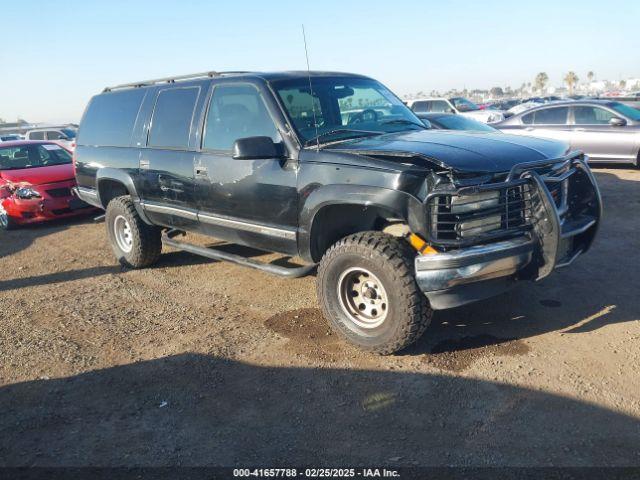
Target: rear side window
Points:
(36, 136)
(172, 117)
(110, 118)
(550, 116)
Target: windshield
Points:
(69, 132)
(458, 122)
(629, 112)
(343, 108)
(464, 105)
(32, 156)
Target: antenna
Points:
(313, 103)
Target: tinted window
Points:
(237, 111)
(36, 136)
(591, 115)
(172, 117)
(551, 116)
(110, 118)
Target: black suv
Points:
(335, 169)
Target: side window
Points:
(591, 116)
(53, 135)
(551, 116)
(527, 119)
(236, 111)
(36, 136)
(440, 106)
(420, 107)
(172, 115)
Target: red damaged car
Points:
(35, 183)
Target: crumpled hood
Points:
(39, 175)
(473, 152)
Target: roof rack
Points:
(146, 83)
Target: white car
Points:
(65, 136)
(458, 105)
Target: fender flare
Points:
(122, 177)
(402, 204)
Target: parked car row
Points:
(605, 130)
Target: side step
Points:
(212, 252)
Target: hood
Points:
(472, 152)
(39, 175)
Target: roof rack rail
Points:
(146, 83)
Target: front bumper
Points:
(559, 234)
(47, 206)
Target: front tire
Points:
(367, 290)
(135, 244)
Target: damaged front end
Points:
(486, 236)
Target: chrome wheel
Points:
(4, 217)
(122, 231)
(363, 298)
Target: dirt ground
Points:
(196, 362)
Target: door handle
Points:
(201, 171)
(144, 164)
(579, 129)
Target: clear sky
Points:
(56, 54)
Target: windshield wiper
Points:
(403, 121)
(313, 140)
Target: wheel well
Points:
(337, 221)
(110, 189)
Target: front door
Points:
(594, 135)
(166, 165)
(245, 201)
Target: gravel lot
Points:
(196, 362)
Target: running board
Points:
(213, 253)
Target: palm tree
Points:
(541, 81)
(590, 76)
(623, 84)
(571, 79)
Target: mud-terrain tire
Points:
(134, 243)
(368, 292)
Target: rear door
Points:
(600, 140)
(550, 122)
(166, 164)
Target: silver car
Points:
(606, 131)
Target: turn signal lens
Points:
(420, 245)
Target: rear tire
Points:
(368, 292)
(135, 244)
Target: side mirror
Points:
(451, 110)
(617, 122)
(427, 123)
(254, 148)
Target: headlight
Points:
(477, 201)
(27, 193)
